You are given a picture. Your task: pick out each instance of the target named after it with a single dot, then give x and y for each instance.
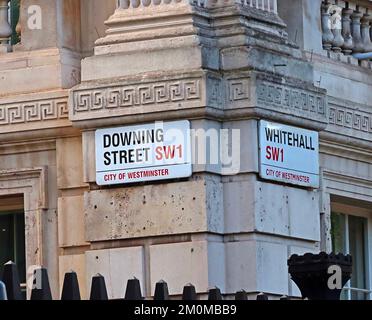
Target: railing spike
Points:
(133, 291)
(161, 291)
(71, 289)
(241, 295)
(189, 293)
(98, 289)
(41, 289)
(11, 281)
(215, 294)
(262, 297)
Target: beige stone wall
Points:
(216, 228)
(41, 153)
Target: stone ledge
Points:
(38, 70)
(31, 116)
(349, 119)
(198, 94)
(292, 98)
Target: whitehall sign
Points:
(289, 154)
(156, 151)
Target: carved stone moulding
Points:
(34, 115)
(191, 95)
(32, 183)
(196, 95)
(289, 100)
(138, 4)
(349, 123)
(268, 5)
(140, 20)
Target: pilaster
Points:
(218, 64)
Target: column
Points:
(327, 36)
(5, 28)
(365, 31)
(347, 48)
(179, 60)
(356, 31)
(336, 25)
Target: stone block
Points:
(117, 266)
(70, 163)
(212, 153)
(256, 266)
(248, 144)
(75, 262)
(89, 152)
(241, 268)
(239, 206)
(71, 229)
(271, 268)
(137, 62)
(217, 265)
(153, 210)
(304, 213)
(39, 70)
(252, 205)
(199, 262)
(287, 211)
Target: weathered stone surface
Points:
(69, 163)
(30, 72)
(47, 24)
(71, 222)
(117, 266)
(89, 151)
(77, 263)
(240, 259)
(222, 66)
(303, 21)
(202, 94)
(252, 205)
(171, 208)
(93, 13)
(199, 262)
(206, 155)
(257, 265)
(34, 111)
(92, 100)
(353, 120)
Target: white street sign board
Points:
(157, 151)
(289, 154)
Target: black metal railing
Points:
(311, 273)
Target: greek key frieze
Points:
(291, 99)
(238, 89)
(135, 95)
(350, 119)
(26, 112)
